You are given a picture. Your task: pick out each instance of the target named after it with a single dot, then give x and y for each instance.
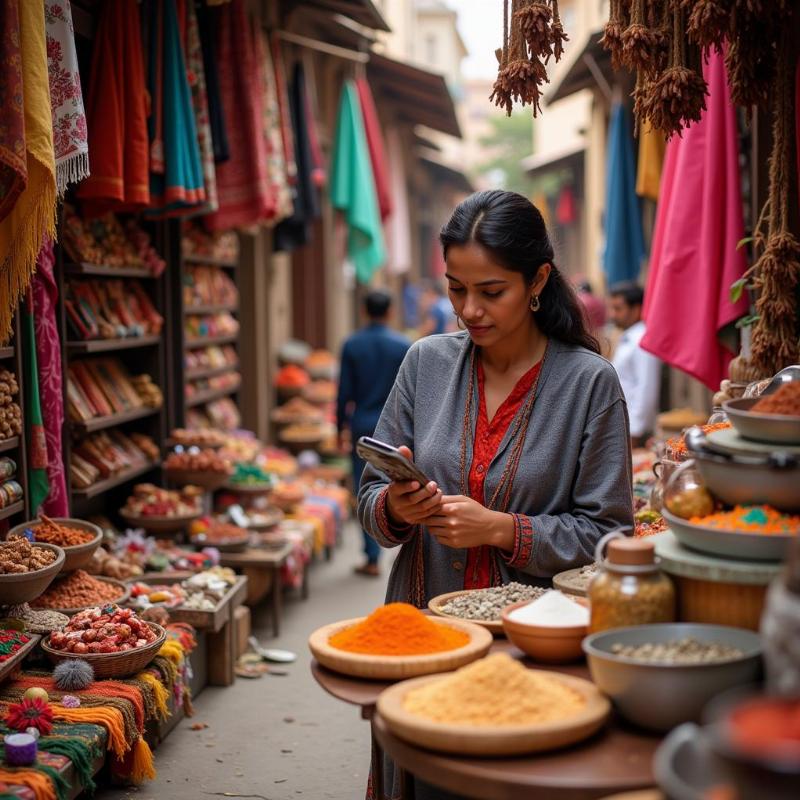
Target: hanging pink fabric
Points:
(243, 185)
(48, 356)
(694, 259)
(377, 155)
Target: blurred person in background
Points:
(436, 311)
(639, 371)
(370, 361)
(595, 307)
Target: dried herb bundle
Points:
(532, 34)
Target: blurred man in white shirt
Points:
(639, 371)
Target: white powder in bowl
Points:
(553, 609)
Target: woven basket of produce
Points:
(26, 569)
(79, 590)
(76, 537)
(118, 664)
(160, 524)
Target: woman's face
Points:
(492, 301)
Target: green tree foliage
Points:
(510, 141)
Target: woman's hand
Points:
(463, 522)
(408, 503)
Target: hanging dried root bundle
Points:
(612, 32)
(641, 42)
(709, 22)
(532, 34)
(776, 339)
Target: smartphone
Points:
(390, 461)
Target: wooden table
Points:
(262, 567)
(617, 759)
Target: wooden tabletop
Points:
(617, 759)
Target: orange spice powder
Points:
(398, 629)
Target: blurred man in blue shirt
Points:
(370, 361)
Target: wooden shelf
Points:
(115, 480)
(5, 513)
(208, 341)
(106, 345)
(194, 311)
(209, 372)
(210, 261)
(6, 352)
(101, 423)
(212, 394)
(106, 271)
(9, 444)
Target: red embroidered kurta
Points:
(488, 438)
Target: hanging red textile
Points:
(243, 185)
(377, 152)
(566, 212)
(694, 259)
(117, 115)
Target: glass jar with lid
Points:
(629, 589)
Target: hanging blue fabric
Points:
(624, 249)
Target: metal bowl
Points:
(770, 479)
(685, 767)
(731, 544)
(660, 696)
(773, 428)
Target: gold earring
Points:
(534, 304)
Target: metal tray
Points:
(774, 428)
(733, 544)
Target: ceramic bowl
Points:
(660, 696)
(549, 644)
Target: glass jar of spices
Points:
(630, 589)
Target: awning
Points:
(589, 69)
(421, 97)
(363, 12)
(552, 162)
(446, 173)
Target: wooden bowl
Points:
(113, 665)
(549, 644)
(397, 667)
(22, 587)
(435, 605)
(234, 546)
(124, 594)
(160, 524)
(209, 481)
(77, 556)
(496, 740)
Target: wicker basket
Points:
(210, 481)
(79, 555)
(21, 587)
(113, 665)
(124, 594)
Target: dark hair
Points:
(512, 230)
(377, 303)
(630, 292)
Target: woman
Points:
(518, 422)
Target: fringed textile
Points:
(32, 215)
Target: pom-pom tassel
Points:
(73, 675)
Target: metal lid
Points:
(631, 552)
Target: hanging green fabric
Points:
(38, 485)
(353, 188)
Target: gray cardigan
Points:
(573, 484)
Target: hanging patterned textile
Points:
(377, 154)
(51, 398)
(70, 137)
(117, 115)
(176, 171)
(32, 214)
(242, 182)
(277, 171)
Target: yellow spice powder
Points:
(496, 690)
